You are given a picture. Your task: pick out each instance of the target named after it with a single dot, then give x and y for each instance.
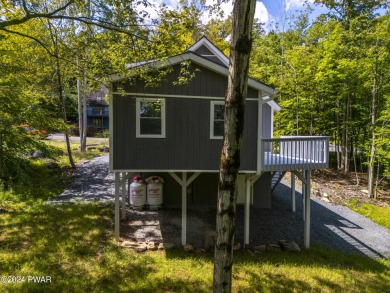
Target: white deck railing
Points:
(294, 153)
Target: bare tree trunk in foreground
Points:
(241, 45)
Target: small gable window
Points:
(150, 122)
(217, 111)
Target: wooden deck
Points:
(294, 153)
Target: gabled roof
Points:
(213, 49)
(189, 55)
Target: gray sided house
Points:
(98, 110)
(175, 131)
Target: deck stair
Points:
(276, 178)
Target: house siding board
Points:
(262, 195)
(205, 83)
(118, 131)
(252, 93)
(266, 121)
(187, 145)
(248, 153)
(203, 50)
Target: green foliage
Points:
(325, 73)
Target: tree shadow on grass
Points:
(320, 269)
(67, 243)
(73, 244)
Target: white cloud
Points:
(155, 5)
(295, 4)
(262, 13)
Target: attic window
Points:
(150, 121)
(217, 109)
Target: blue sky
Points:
(268, 11)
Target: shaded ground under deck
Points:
(334, 226)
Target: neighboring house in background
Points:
(98, 110)
(175, 131)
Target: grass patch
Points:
(379, 214)
(74, 245)
(39, 183)
(75, 146)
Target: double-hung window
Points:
(217, 110)
(150, 121)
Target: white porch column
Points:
(184, 208)
(303, 194)
(307, 211)
(116, 221)
(123, 195)
(247, 210)
(293, 206)
(184, 183)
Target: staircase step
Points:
(276, 178)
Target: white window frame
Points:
(212, 107)
(138, 117)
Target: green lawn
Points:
(379, 214)
(77, 154)
(74, 245)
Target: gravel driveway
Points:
(331, 225)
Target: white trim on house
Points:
(272, 124)
(212, 110)
(259, 132)
(174, 96)
(138, 118)
(217, 53)
(267, 90)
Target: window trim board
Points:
(138, 101)
(212, 108)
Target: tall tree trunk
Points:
(337, 146)
(80, 102)
(371, 164)
(241, 45)
(83, 131)
(61, 93)
(345, 144)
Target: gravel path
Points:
(331, 225)
(92, 182)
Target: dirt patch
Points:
(164, 226)
(340, 187)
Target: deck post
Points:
(123, 195)
(307, 212)
(303, 194)
(247, 210)
(117, 222)
(293, 206)
(184, 208)
(184, 184)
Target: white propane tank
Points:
(137, 192)
(155, 191)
